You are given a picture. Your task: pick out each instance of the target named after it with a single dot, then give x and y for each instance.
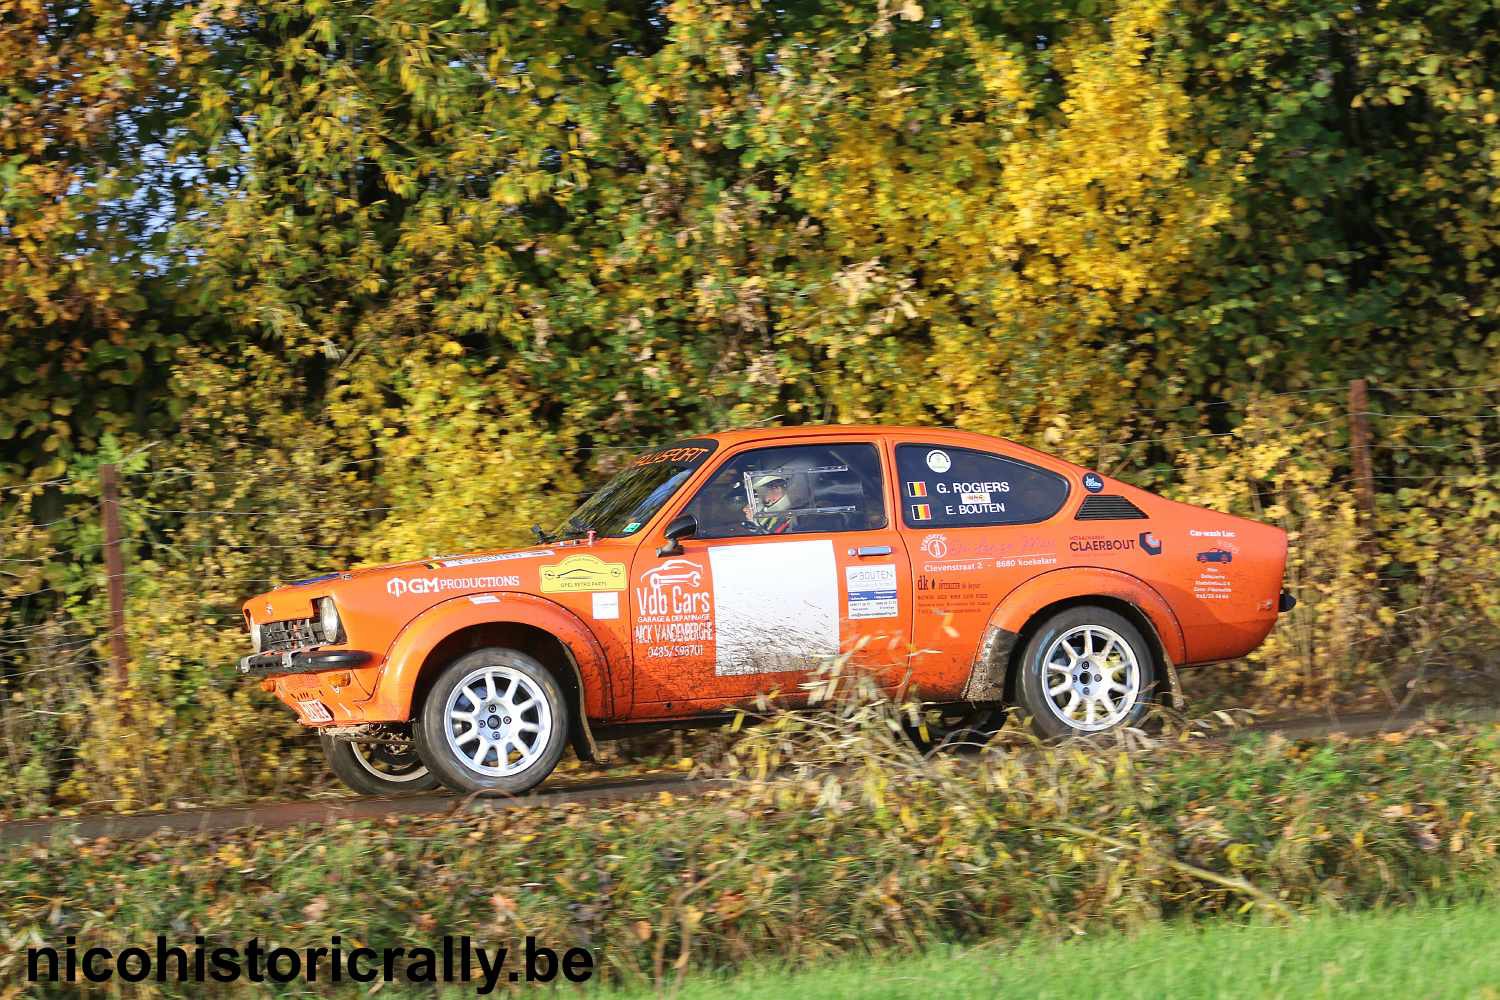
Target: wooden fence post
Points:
(114, 563)
(1359, 447)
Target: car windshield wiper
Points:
(574, 528)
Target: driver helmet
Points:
(766, 480)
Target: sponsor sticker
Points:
(484, 599)
(949, 596)
(1093, 482)
(400, 586)
(921, 512)
(632, 527)
(674, 611)
(1213, 585)
(1099, 543)
(872, 591)
(1145, 541)
(970, 554)
(956, 566)
(916, 490)
(480, 560)
(682, 455)
(938, 461)
(607, 605)
(974, 498)
(672, 572)
(582, 574)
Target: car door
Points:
(775, 581)
(972, 522)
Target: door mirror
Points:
(682, 526)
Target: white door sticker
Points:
(607, 606)
(872, 591)
(776, 605)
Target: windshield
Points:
(633, 496)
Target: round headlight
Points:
(255, 637)
(328, 617)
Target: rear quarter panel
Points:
(1221, 574)
(1208, 582)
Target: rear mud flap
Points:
(987, 676)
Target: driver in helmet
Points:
(771, 490)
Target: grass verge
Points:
(1423, 952)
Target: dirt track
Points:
(278, 815)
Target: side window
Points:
(944, 487)
(792, 490)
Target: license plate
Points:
(313, 711)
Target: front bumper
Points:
(303, 661)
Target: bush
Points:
(890, 851)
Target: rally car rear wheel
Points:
(495, 720)
(377, 768)
(1086, 670)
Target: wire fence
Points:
(199, 540)
(59, 622)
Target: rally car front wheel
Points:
(1086, 670)
(494, 720)
(377, 768)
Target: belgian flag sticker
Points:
(916, 489)
(921, 512)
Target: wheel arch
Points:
(1014, 621)
(532, 625)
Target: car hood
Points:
(480, 557)
(418, 582)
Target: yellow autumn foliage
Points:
(341, 284)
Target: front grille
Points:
(294, 633)
(1108, 508)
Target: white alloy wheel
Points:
(497, 721)
(1092, 678)
(378, 767)
(493, 721)
(386, 762)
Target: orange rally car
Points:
(976, 571)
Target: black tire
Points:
(956, 727)
(377, 768)
(524, 695)
(1091, 690)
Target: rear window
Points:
(943, 487)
